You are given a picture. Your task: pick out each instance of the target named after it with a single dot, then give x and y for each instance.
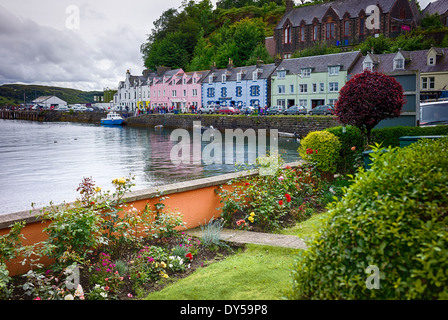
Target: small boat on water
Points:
(112, 118)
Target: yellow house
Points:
(433, 66)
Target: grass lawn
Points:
(257, 273)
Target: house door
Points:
(317, 102)
(291, 102)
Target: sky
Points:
(79, 44)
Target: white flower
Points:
(69, 297)
(79, 292)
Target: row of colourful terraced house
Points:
(307, 81)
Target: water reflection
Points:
(43, 162)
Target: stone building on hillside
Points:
(342, 23)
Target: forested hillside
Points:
(195, 36)
(14, 94)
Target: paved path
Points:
(241, 236)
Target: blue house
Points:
(238, 87)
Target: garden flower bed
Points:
(130, 273)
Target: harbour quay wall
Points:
(52, 116)
(301, 125)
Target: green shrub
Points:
(393, 217)
(321, 148)
(349, 159)
(391, 136)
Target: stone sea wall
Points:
(302, 125)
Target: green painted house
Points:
(311, 81)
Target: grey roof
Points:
(321, 63)
(265, 71)
(352, 7)
(440, 7)
(417, 61)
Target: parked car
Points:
(295, 110)
(208, 109)
(61, 108)
(276, 110)
(322, 110)
(228, 110)
(433, 113)
(247, 110)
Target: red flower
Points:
(280, 202)
(288, 197)
(189, 256)
(247, 183)
(316, 151)
(309, 151)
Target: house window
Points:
(224, 92)
(255, 91)
(367, 65)
(431, 61)
(286, 56)
(239, 91)
(330, 30)
(333, 86)
(398, 64)
(333, 71)
(305, 73)
(281, 74)
(321, 87)
(281, 88)
(315, 33)
(210, 79)
(332, 102)
(346, 28)
(185, 93)
(303, 102)
(428, 83)
(195, 92)
(303, 88)
(287, 35)
(291, 88)
(281, 102)
(174, 93)
(302, 34)
(238, 76)
(314, 87)
(223, 78)
(255, 75)
(361, 26)
(210, 93)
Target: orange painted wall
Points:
(197, 207)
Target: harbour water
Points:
(43, 162)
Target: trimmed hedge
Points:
(349, 160)
(394, 217)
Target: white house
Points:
(49, 101)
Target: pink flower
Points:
(130, 295)
(37, 298)
(316, 151)
(280, 178)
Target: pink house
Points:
(176, 89)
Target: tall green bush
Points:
(392, 217)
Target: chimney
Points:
(289, 5)
(230, 65)
(259, 63)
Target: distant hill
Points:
(13, 94)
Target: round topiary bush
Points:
(321, 148)
(392, 221)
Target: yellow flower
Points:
(252, 214)
(97, 189)
(163, 274)
(163, 264)
(119, 181)
(251, 219)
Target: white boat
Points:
(112, 118)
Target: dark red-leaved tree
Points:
(367, 98)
